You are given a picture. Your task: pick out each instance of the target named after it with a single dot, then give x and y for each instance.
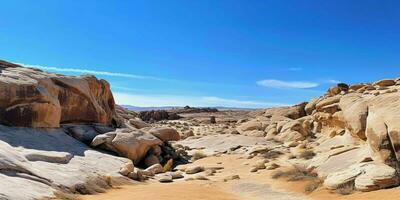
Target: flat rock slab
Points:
(34, 157)
(264, 191)
(214, 144)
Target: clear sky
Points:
(209, 52)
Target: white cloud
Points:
(295, 69)
(176, 100)
(333, 81)
(94, 72)
(272, 83)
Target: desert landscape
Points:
(63, 137)
(200, 100)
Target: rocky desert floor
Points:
(63, 137)
(234, 167)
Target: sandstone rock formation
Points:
(349, 126)
(33, 98)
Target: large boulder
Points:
(132, 144)
(364, 176)
(165, 134)
(35, 163)
(250, 126)
(355, 112)
(383, 128)
(33, 98)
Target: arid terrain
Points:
(63, 137)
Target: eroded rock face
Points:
(33, 98)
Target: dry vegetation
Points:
(345, 189)
(300, 174)
(307, 154)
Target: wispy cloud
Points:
(333, 81)
(93, 72)
(295, 68)
(176, 100)
(273, 83)
(223, 101)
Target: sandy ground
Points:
(250, 186)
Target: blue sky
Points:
(207, 52)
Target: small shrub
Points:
(295, 174)
(307, 155)
(108, 179)
(345, 189)
(312, 185)
(272, 154)
(65, 196)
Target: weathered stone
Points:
(155, 169)
(33, 98)
(165, 178)
(138, 123)
(165, 134)
(126, 169)
(194, 169)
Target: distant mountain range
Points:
(138, 108)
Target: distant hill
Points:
(138, 108)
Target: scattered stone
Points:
(194, 169)
(201, 177)
(209, 172)
(126, 169)
(176, 175)
(273, 166)
(168, 166)
(155, 169)
(165, 178)
(254, 169)
(231, 177)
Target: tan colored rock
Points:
(253, 125)
(364, 176)
(165, 134)
(338, 159)
(138, 123)
(194, 169)
(165, 178)
(292, 131)
(375, 177)
(291, 112)
(327, 101)
(126, 169)
(339, 88)
(385, 82)
(382, 129)
(33, 98)
(338, 179)
(310, 107)
(132, 144)
(168, 166)
(155, 169)
(356, 87)
(355, 112)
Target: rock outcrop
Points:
(157, 115)
(33, 98)
(351, 125)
